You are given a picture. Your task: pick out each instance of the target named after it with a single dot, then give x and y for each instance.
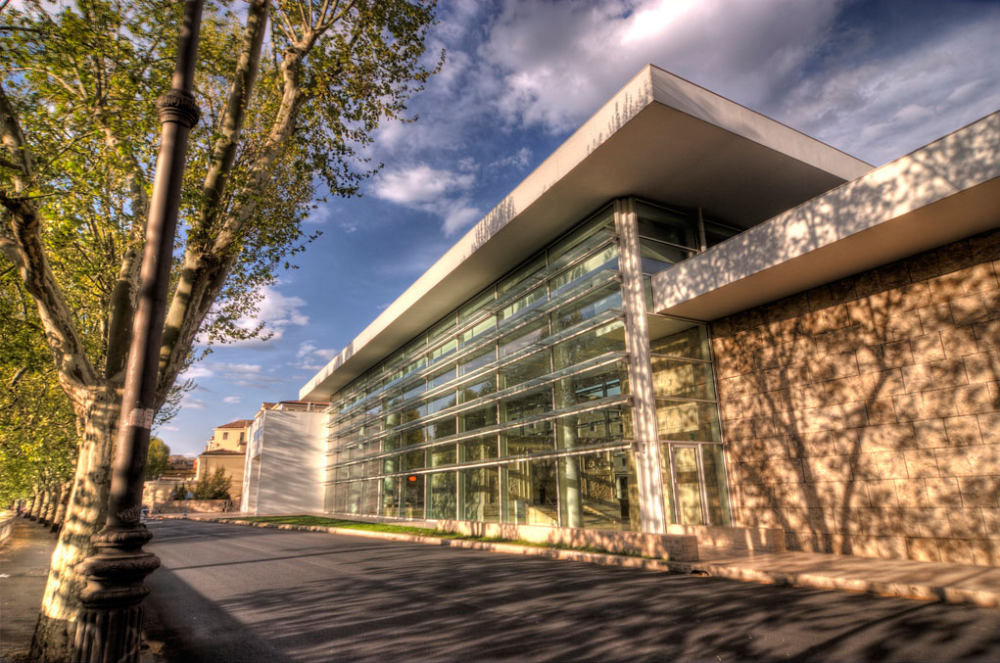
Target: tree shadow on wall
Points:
(862, 415)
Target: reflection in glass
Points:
(688, 485)
(412, 505)
(390, 497)
(530, 490)
(599, 491)
(479, 494)
(528, 439)
(442, 495)
(684, 379)
(478, 448)
(716, 491)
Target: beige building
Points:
(230, 461)
(230, 437)
(226, 449)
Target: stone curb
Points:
(925, 592)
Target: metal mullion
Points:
(692, 249)
(608, 241)
(547, 305)
(690, 360)
(685, 399)
(509, 460)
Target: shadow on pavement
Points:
(201, 632)
(316, 597)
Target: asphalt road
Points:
(231, 593)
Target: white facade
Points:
(284, 462)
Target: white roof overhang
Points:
(660, 137)
(940, 193)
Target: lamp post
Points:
(110, 624)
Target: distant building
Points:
(179, 468)
(226, 449)
(230, 437)
(283, 471)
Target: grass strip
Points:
(320, 521)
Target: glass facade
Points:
(516, 406)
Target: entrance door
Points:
(687, 482)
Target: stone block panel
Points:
(884, 389)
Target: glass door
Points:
(687, 484)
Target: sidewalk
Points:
(24, 566)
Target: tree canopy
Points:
(157, 458)
(290, 92)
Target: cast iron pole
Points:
(110, 625)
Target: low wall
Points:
(6, 526)
(678, 547)
(193, 506)
(734, 539)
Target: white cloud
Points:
(520, 159)
(276, 312)
(419, 185)
(195, 372)
(556, 64)
(169, 429)
(874, 90)
(232, 400)
(433, 191)
(459, 214)
(189, 402)
(312, 356)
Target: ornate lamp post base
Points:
(110, 626)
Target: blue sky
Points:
(876, 79)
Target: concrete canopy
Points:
(660, 137)
(940, 193)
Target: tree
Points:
(157, 459)
(288, 90)
(214, 486)
(37, 430)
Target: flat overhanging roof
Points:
(940, 193)
(660, 137)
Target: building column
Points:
(645, 442)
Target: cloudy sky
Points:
(876, 79)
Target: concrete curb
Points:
(918, 591)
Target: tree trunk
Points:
(85, 515)
(60, 516)
(36, 505)
(49, 515)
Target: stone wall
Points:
(863, 417)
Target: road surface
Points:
(232, 593)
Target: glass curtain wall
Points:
(687, 413)
(515, 407)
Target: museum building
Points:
(693, 320)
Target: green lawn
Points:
(320, 521)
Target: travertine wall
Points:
(863, 417)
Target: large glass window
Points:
(531, 493)
(515, 405)
(599, 491)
